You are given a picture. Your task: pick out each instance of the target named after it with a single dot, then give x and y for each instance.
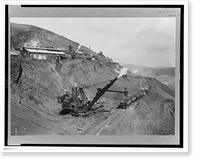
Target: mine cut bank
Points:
(36, 85)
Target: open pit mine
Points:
(64, 88)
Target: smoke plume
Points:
(122, 72)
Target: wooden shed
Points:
(40, 53)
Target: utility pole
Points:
(89, 50)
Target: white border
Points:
(103, 150)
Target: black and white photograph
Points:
(95, 75)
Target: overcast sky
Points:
(138, 41)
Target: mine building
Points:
(14, 52)
(85, 56)
(100, 57)
(41, 53)
(104, 59)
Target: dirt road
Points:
(119, 122)
(137, 119)
(122, 123)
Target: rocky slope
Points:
(28, 35)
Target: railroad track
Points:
(100, 123)
(110, 121)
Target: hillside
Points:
(28, 35)
(149, 71)
(37, 86)
(165, 75)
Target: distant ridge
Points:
(166, 75)
(150, 71)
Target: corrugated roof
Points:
(45, 51)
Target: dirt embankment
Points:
(157, 111)
(36, 85)
(153, 114)
(41, 82)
